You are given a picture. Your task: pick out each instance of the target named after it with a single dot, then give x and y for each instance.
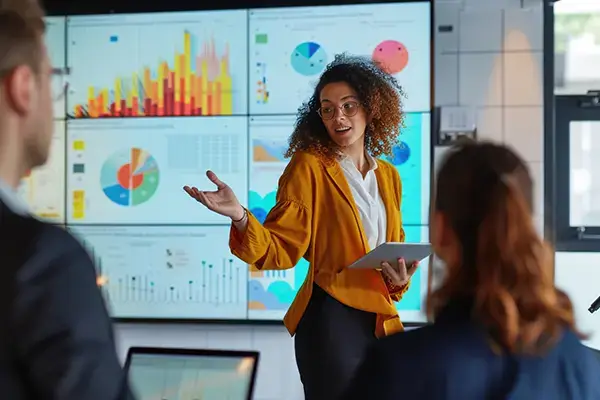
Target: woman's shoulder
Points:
(304, 162)
(387, 168)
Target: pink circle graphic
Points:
(391, 56)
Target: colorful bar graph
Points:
(198, 83)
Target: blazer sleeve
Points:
(285, 236)
(61, 329)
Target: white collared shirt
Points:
(11, 198)
(368, 200)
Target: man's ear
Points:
(19, 87)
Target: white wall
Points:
(492, 60)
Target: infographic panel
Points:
(43, 188)
(412, 158)
(268, 143)
(132, 171)
(159, 64)
(290, 47)
(270, 293)
(181, 377)
(167, 272)
(56, 43)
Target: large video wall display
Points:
(152, 101)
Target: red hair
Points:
(484, 191)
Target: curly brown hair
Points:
(378, 92)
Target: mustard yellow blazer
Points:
(315, 217)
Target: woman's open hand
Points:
(398, 274)
(222, 201)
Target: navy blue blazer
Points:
(56, 338)
(452, 360)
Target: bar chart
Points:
(185, 70)
(167, 271)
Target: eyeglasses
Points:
(59, 82)
(349, 109)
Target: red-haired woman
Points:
(502, 330)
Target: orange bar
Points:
(100, 110)
(154, 92)
(92, 108)
(210, 99)
(199, 97)
(135, 107)
(147, 83)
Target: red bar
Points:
(135, 106)
(129, 112)
(155, 109)
(199, 111)
(165, 98)
(123, 107)
(113, 110)
(182, 94)
(192, 106)
(147, 107)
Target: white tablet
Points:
(390, 252)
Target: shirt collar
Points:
(346, 162)
(12, 200)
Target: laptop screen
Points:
(191, 377)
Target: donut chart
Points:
(391, 56)
(308, 59)
(130, 177)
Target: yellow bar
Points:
(188, 66)
(134, 86)
(204, 79)
(161, 84)
(226, 88)
(118, 95)
(177, 76)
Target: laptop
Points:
(184, 374)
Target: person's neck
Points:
(357, 154)
(12, 165)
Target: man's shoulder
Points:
(23, 238)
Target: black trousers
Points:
(330, 342)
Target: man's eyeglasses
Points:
(349, 109)
(59, 82)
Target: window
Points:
(578, 173)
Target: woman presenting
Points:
(335, 202)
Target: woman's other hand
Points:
(222, 201)
(398, 274)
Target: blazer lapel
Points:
(337, 176)
(387, 195)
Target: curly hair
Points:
(378, 93)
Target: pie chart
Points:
(129, 177)
(391, 56)
(308, 59)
